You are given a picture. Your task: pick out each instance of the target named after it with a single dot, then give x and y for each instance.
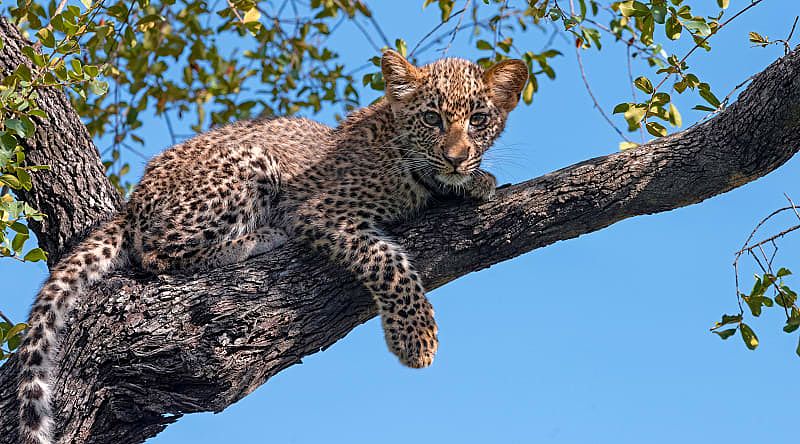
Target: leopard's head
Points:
(450, 111)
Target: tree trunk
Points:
(143, 350)
(75, 193)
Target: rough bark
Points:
(75, 193)
(143, 350)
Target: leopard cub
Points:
(243, 189)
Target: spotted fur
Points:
(242, 190)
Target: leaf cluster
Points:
(10, 338)
(769, 290)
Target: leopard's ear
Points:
(505, 81)
(401, 77)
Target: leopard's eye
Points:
(432, 119)
(478, 120)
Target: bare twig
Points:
(5, 318)
(378, 28)
(633, 87)
(589, 88)
(433, 31)
(793, 205)
(371, 42)
(785, 42)
(497, 28)
(59, 8)
(455, 30)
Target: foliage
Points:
(771, 280)
(10, 337)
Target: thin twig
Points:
(497, 28)
(594, 99)
(770, 239)
(455, 30)
(170, 129)
(589, 88)
(367, 36)
(787, 47)
(60, 7)
(378, 28)
(5, 318)
(433, 31)
(793, 28)
(633, 87)
(793, 205)
(235, 12)
(755, 230)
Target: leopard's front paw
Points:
(483, 187)
(411, 335)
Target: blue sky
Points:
(600, 339)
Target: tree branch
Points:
(144, 350)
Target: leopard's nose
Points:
(456, 158)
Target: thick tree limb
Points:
(144, 347)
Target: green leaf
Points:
(46, 37)
(402, 48)
(783, 272)
(704, 108)
(634, 115)
(673, 28)
(748, 336)
(11, 181)
(644, 84)
(723, 3)
(725, 334)
(674, 116)
(14, 341)
(24, 179)
(797, 350)
(446, 6)
(704, 90)
(35, 255)
(625, 145)
(659, 13)
(656, 129)
(785, 297)
(18, 242)
(19, 228)
(633, 9)
(621, 108)
(16, 126)
(527, 93)
(17, 329)
(660, 99)
(484, 45)
(98, 87)
(728, 319)
(758, 38)
(698, 26)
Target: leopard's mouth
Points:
(453, 179)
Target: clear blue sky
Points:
(600, 339)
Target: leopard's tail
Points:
(87, 263)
